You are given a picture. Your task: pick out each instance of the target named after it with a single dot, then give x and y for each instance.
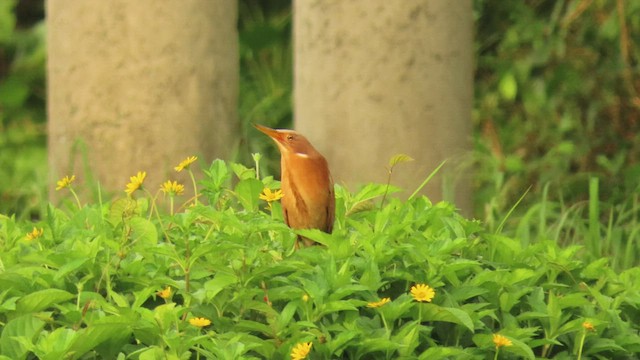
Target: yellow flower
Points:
(172, 188)
(377, 304)
(184, 164)
(422, 293)
(269, 196)
(305, 297)
(165, 293)
(135, 182)
(65, 182)
(587, 325)
(501, 341)
(35, 233)
(300, 351)
(199, 322)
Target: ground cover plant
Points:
(164, 274)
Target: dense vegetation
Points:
(409, 280)
(551, 265)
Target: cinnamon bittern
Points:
(308, 201)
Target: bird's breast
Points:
(308, 192)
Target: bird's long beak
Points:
(272, 133)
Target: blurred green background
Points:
(556, 113)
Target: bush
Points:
(135, 278)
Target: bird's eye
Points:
(289, 137)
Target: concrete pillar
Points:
(374, 78)
(139, 85)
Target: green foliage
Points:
(266, 72)
(94, 284)
(22, 114)
(556, 100)
(556, 109)
(23, 160)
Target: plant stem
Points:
(154, 209)
(384, 321)
(195, 188)
(187, 276)
(386, 190)
(584, 335)
(433, 173)
(75, 197)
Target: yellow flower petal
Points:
(377, 304)
(270, 196)
(172, 188)
(184, 164)
(165, 293)
(501, 341)
(300, 351)
(135, 182)
(35, 233)
(65, 182)
(587, 325)
(422, 293)
(199, 321)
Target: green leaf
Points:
(372, 191)
(144, 232)
(432, 312)
(398, 159)
(407, 337)
(221, 281)
(286, 315)
(520, 348)
(55, 345)
(152, 353)
(122, 209)
(118, 299)
(254, 326)
(397, 308)
(26, 327)
(370, 345)
(337, 306)
(142, 296)
(371, 276)
(596, 268)
(441, 352)
(69, 267)
(40, 300)
(463, 293)
(360, 206)
(508, 86)
(165, 315)
(248, 192)
(243, 172)
(218, 173)
(341, 341)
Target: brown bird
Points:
(308, 200)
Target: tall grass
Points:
(604, 230)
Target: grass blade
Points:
(426, 181)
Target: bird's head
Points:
(290, 142)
